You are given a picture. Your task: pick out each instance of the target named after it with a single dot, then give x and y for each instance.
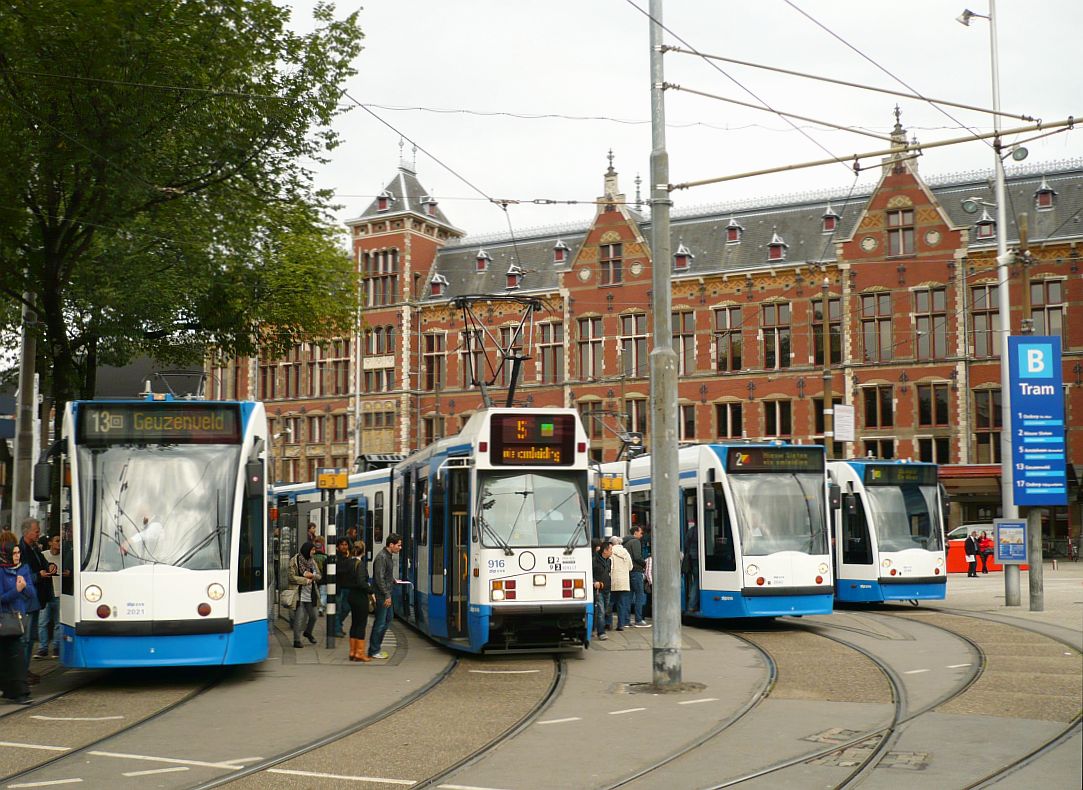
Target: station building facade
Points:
(884, 299)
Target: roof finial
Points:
(611, 171)
(413, 157)
(639, 200)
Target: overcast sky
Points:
(474, 63)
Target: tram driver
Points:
(145, 542)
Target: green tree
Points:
(156, 185)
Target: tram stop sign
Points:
(332, 478)
(1039, 448)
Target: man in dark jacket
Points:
(970, 549)
(690, 568)
(600, 571)
(636, 578)
(43, 583)
(383, 580)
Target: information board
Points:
(532, 439)
(775, 459)
(157, 423)
(333, 478)
(1011, 541)
(1037, 425)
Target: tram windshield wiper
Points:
(488, 530)
(570, 545)
(180, 562)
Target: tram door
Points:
(856, 541)
(458, 551)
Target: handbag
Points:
(11, 624)
(288, 597)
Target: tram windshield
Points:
(148, 504)
(780, 512)
(905, 517)
(531, 509)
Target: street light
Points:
(1008, 508)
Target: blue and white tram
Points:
(165, 562)
(889, 532)
(494, 523)
(759, 516)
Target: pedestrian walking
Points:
(353, 577)
(985, 550)
(620, 570)
(600, 571)
(39, 572)
(970, 550)
(17, 594)
(638, 576)
(383, 579)
(304, 574)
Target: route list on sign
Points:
(1039, 447)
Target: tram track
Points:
(411, 728)
(85, 734)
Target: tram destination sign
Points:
(158, 423)
(1039, 448)
(532, 439)
(775, 459)
(899, 474)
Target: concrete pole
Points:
(24, 419)
(665, 540)
(1036, 576)
(1011, 585)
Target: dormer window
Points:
(482, 261)
(776, 249)
(428, 205)
(515, 276)
(384, 201)
(1044, 197)
(560, 252)
(733, 232)
(830, 220)
(986, 226)
(682, 258)
(439, 285)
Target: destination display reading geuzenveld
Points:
(157, 423)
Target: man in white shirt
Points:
(144, 543)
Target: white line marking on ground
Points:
(957, 666)
(698, 701)
(505, 671)
(44, 784)
(316, 775)
(157, 771)
(35, 746)
(77, 718)
(626, 710)
(231, 766)
(560, 721)
(915, 671)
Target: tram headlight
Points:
(822, 568)
(752, 570)
(216, 592)
(940, 562)
(539, 579)
(885, 564)
(93, 593)
(498, 595)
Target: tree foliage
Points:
(156, 185)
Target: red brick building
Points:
(910, 319)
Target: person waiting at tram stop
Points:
(342, 596)
(304, 575)
(383, 579)
(17, 595)
(690, 567)
(352, 577)
(985, 550)
(40, 572)
(970, 550)
(600, 561)
(638, 576)
(620, 570)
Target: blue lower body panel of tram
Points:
(878, 591)
(725, 604)
(246, 643)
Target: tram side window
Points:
(856, 547)
(719, 553)
(377, 521)
(422, 515)
(641, 511)
(250, 556)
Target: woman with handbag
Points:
(353, 577)
(985, 551)
(304, 575)
(16, 593)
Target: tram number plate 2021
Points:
(135, 609)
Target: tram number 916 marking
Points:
(496, 565)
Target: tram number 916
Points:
(496, 565)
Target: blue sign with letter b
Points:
(1039, 444)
